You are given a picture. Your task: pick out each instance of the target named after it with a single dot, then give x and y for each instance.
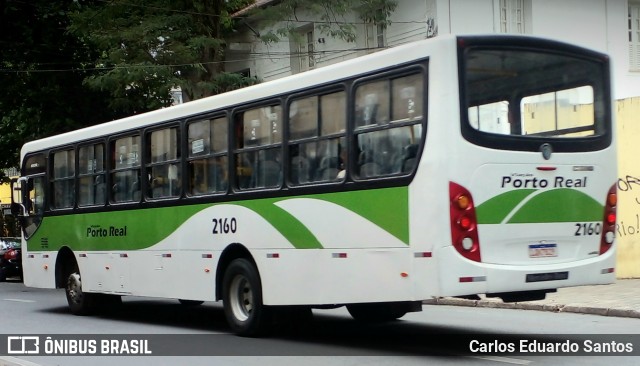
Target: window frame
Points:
(356, 157)
(114, 169)
(319, 137)
(235, 150)
(52, 179)
(189, 159)
(95, 174)
(148, 165)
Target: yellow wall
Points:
(628, 233)
(5, 194)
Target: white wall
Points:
(597, 24)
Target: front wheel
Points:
(80, 302)
(242, 299)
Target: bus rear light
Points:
(465, 223)
(463, 202)
(464, 230)
(467, 243)
(611, 218)
(607, 270)
(609, 221)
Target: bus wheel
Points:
(376, 312)
(242, 299)
(80, 303)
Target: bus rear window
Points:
(518, 98)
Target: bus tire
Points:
(376, 312)
(80, 302)
(242, 300)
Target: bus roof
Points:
(264, 91)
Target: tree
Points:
(42, 77)
(332, 16)
(148, 47)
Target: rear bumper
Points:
(459, 276)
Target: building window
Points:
(511, 16)
(634, 35)
(302, 50)
(375, 36)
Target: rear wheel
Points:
(242, 298)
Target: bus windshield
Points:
(520, 94)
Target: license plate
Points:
(543, 250)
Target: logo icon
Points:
(23, 345)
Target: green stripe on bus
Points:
(496, 209)
(289, 226)
(387, 208)
(559, 205)
(94, 231)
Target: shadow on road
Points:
(326, 334)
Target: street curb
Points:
(495, 304)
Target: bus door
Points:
(28, 202)
(28, 194)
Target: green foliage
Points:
(148, 47)
(74, 63)
(334, 17)
(42, 84)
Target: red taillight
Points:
(609, 220)
(464, 229)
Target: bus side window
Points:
(207, 168)
(164, 164)
(317, 125)
(258, 152)
(389, 144)
(372, 104)
(91, 175)
(63, 180)
(125, 160)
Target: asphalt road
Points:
(177, 334)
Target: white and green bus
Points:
(453, 166)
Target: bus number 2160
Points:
(225, 225)
(588, 229)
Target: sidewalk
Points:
(619, 299)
